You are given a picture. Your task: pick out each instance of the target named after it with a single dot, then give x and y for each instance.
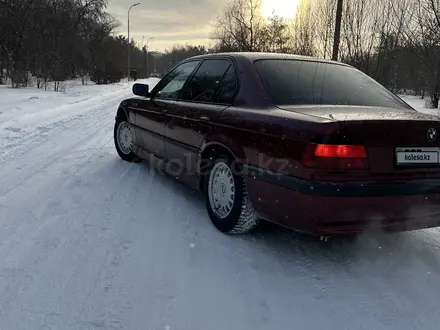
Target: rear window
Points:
(295, 82)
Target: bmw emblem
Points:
(431, 134)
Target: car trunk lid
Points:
(397, 141)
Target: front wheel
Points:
(123, 140)
(227, 201)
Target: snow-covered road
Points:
(89, 242)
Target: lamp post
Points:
(337, 36)
(129, 43)
(146, 47)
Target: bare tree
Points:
(241, 26)
(323, 14)
(304, 30)
(14, 18)
(361, 30)
(422, 36)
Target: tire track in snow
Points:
(93, 128)
(38, 136)
(106, 285)
(77, 228)
(62, 110)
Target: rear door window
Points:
(206, 81)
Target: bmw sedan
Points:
(313, 145)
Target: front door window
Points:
(171, 87)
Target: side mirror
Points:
(141, 90)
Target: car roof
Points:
(254, 56)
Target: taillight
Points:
(335, 157)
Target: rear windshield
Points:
(295, 82)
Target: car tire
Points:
(122, 138)
(231, 215)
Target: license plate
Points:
(417, 156)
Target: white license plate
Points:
(415, 156)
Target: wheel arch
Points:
(122, 113)
(212, 147)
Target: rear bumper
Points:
(340, 209)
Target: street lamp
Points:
(129, 43)
(146, 47)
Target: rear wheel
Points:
(123, 140)
(227, 201)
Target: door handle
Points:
(204, 118)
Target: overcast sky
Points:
(170, 22)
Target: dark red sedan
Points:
(309, 144)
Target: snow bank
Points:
(419, 104)
(24, 108)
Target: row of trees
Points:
(54, 40)
(396, 42)
(51, 39)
